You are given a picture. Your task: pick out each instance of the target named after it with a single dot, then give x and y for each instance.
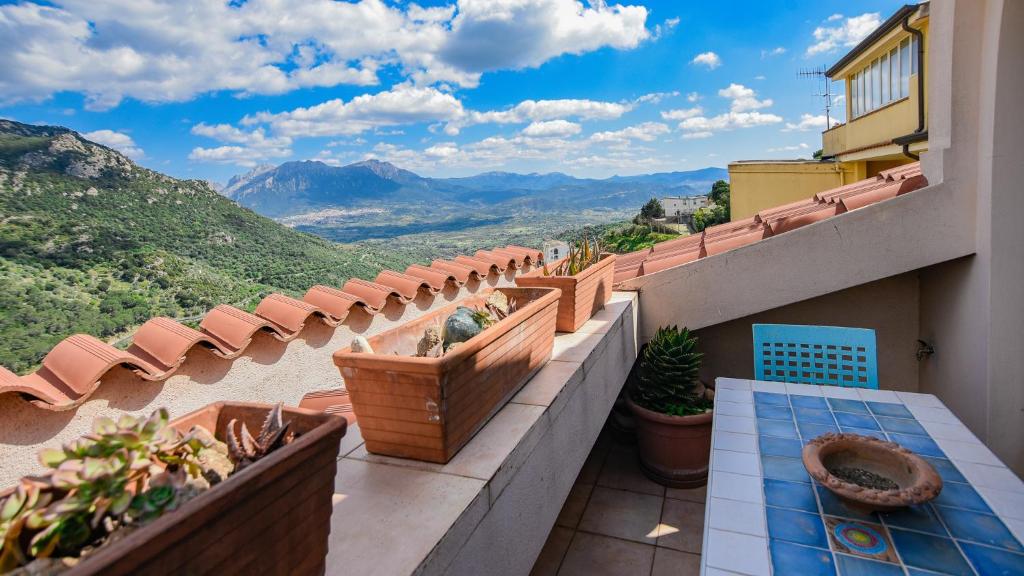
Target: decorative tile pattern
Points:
(964, 531)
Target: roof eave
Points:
(885, 28)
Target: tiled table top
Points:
(765, 515)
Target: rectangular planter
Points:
(582, 295)
(429, 408)
(274, 517)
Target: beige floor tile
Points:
(622, 470)
(682, 526)
(622, 514)
(690, 495)
(592, 467)
(574, 505)
(554, 550)
(595, 555)
(668, 562)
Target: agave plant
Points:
(581, 256)
(667, 375)
(127, 470)
(244, 450)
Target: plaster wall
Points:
(755, 186)
(889, 306)
(268, 371)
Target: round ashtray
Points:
(870, 474)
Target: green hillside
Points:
(91, 242)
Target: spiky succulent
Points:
(581, 256)
(667, 376)
(124, 470)
(244, 450)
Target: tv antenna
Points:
(819, 73)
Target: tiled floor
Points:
(616, 522)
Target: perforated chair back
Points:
(825, 355)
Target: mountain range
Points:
(308, 186)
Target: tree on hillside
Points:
(653, 209)
(717, 214)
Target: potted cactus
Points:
(199, 495)
(585, 278)
(673, 410)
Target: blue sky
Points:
(202, 89)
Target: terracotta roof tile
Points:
(374, 295)
(406, 285)
(531, 255)
(290, 314)
(164, 343)
(458, 270)
(780, 219)
(235, 328)
(502, 261)
(482, 267)
(515, 257)
(435, 278)
(334, 301)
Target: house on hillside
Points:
(887, 126)
(679, 208)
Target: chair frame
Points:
(822, 355)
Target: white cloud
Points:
(801, 146)
(681, 114)
(743, 98)
(552, 128)
(697, 135)
(398, 106)
(174, 51)
(119, 141)
(245, 148)
(648, 132)
(846, 35)
(237, 155)
(807, 122)
(656, 97)
(692, 97)
(742, 113)
(759, 77)
(537, 110)
(709, 59)
(664, 28)
(777, 51)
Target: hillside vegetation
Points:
(91, 242)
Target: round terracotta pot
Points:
(674, 450)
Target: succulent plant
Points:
(667, 376)
(244, 450)
(125, 470)
(581, 256)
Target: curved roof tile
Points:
(291, 314)
(334, 301)
(406, 285)
(531, 255)
(436, 279)
(769, 222)
(502, 261)
(458, 270)
(164, 343)
(482, 267)
(235, 328)
(373, 294)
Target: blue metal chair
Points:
(825, 355)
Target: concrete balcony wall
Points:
(876, 127)
(756, 185)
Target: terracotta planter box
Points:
(582, 295)
(274, 517)
(674, 450)
(429, 408)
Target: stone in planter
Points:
(582, 295)
(674, 450)
(429, 408)
(273, 517)
(870, 474)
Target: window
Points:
(894, 73)
(876, 85)
(862, 93)
(854, 109)
(884, 63)
(913, 55)
(905, 67)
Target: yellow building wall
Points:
(755, 186)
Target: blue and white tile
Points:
(790, 469)
(889, 409)
(796, 527)
(922, 445)
(778, 428)
(967, 452)
(774, 398)
(723, 383)
(946, 469)
(762, 386)
(855, 566)
(812, 416)
(735, 441)
(812, 402)
(809, 430)
(917, 399)
(771, 412)
(1007, 505)
(738, 424)
(847, 405)
(920, 518)
(901, 425)
(1016, 526)
(731, 395)
(958, 495)
(840, 392)
(957, 431)
(930, 552)
(851, 420)
(737, 487)
(734, 409)
(736, 516)
(736, 462)
(803, 389)
(998, 477)
(788, 558)
(870, 394)
(741, 553)
(775, 446)
(794, 495)
(977, 527)
(992, 560)
(933, 414)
